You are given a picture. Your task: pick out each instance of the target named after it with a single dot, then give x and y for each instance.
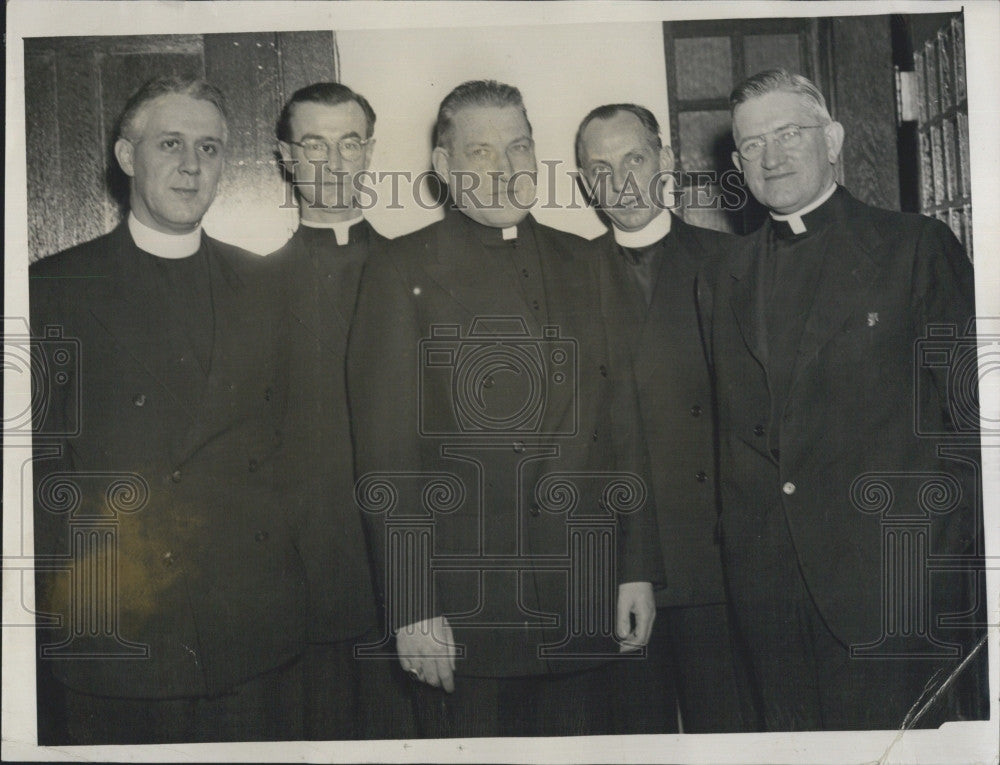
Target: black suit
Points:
(819, 411)
(691, 655)
(463, 420)
(177, 463)
(346, 698)
(317, 475)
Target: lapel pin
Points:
(872, 319)
(416, 290)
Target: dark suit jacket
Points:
(316, 466)
(490, 499)
(174, 470)
(860, 393)
(675, 404)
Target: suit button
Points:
(788, 487)
(524, 272)
(261, 536)
(594, 436)
(488, 381)
(534, 304)
(518, 446)
(535, 511)
(758, 430)
(176, 476)
(140, 399)
(168, 558)
(267, 394)
(695, 411)
(604, 370)
(252, 466)
(701, 476)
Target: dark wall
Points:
(861, 90)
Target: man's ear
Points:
(834, 134)
(286, 152)
(125, 154)
(666, 159)
(738, 161)
(441, 164)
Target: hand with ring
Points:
(426, 651)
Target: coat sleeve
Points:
(383, 396)
(944, 301)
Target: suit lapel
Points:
(680, 253)
(323, 308)
(849, 268)
(335, 303)
(744, 287)
(235, 329)
(571, 302)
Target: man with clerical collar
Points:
(325, 137)
(489, 416)
(655, 258)
(848, 458)
(180, 593)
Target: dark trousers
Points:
(805, 677)
(691, 666)
(355, 698)
(266, 708)
(565, 704)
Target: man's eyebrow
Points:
(318, 137)
(774, 130)
(179, 134)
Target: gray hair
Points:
(774, 80)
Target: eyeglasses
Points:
(787, 136)
(316, 148)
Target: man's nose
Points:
(774, 153)
(333, 159)
(190, 161)
(619, 179)
(504, 166)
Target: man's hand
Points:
(635, 599)
(427, 651)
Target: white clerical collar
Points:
(509, 233)
(170, 246)
(794, 220)
(649, 234)
(341, 228)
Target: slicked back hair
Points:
(474, 93)
(195, 87)
(774, 80)
(329, 93)
(606, 112)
